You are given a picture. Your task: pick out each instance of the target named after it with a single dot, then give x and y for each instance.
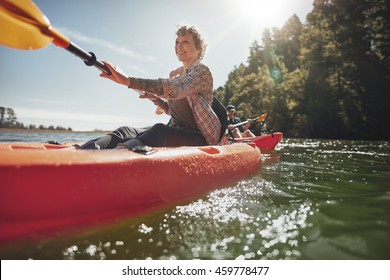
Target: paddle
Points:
(25, 27)
(259, 119)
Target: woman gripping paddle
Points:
(186, 96)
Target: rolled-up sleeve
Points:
(198, 79)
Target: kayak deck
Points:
(48, 187)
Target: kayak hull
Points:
(265, 142)
(48, 187)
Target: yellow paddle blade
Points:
(24, 26)
(262, 117)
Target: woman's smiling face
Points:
(185, 49)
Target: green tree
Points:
(11, 119)
(2, 116)
(287, 42)
(351, 76)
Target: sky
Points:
(51, 86)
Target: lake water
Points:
(311, 199)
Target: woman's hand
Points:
(117, 75)
(152, 97)
(148, 95)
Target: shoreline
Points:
(50, 130)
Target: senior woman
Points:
(186, 96)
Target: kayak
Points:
(46, 188)
(265, 142)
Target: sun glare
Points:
(266, 13)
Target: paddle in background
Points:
(25, 27)
(265, 128)
(260, 118)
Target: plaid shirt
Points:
(196, 84)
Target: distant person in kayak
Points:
(186, 96)
(240, 130)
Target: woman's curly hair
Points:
(200, 42)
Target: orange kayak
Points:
(46, 188)
(265, 142)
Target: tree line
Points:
(326, 78)
(8, 119)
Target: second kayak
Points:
(265, 142)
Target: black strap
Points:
(91, 61)
(231, 134)
(221, 113)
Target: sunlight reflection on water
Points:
(248, 230)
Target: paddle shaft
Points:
(88, 57)
(245, 122)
